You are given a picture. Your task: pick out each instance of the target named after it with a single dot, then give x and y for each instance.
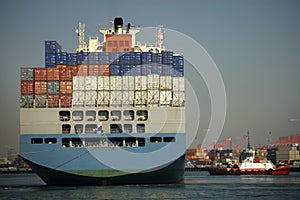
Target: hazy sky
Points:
(255, 44)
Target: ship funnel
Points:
(118, 23)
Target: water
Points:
(198, 185)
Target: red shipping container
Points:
(74, 70)
(40, 87)
(61, 66)
(65, 100)
(40, 74)
(104, 70)
(93, 70)
(27, 87)
(52, 74)
(65, 74)
(82, 70)
(65, 87)
(53, 101)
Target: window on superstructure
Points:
(109, 43)
(50, 140)
(36, 140)
(155, 139)
(115, 43)
(64, 116)
(78, 128)
(121, 43)
(116, 128)
(66, 128)
(116, 115)
(77, 115)
(169, 139)
(126, 43)
(127, 128)
(128, 115)
(103, 115)
(90, 115)
(142, 115)
(141, 142)
(91, 128)
(130, 141)
(140, 128)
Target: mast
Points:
(81, 33)
(248, 140)
(160, 36)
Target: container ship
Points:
(111, 112)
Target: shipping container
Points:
(178, 60)
(27, 87)
(50, 60)
(40, 74)
(103, 83)
(165, 97)
(125, 58)
(156, 69)
(167, 57)
(128, 83)
(65, 100)
(153, 81)
(82, 58)
(136, 70)
(104, 58)
(103, 98)
(178, 99)
(135, 58)
(93, 58)
(78, 83)
(178, 71)
(53, 87)
(116, 82)
(61, 58)
(114, 70)
(27, 74)
(140, 97)
(114, 58)
(146, 57)
(128, 97)
(178, 83)
(140, 83)
(52, 47)
(93, 70)
(65, 74)
(153, 96)
(125, 70)
(72, 59)
(146, 69)
(91, 83)
(40, 87)
(165, 82)
(53, 100)
(66, 87)
(90, 98)
(104, 70)
(116, 97)
(52, 74)
(40, 101)
(167, 70)
(27, 101)
(78, 98)
(157, 58)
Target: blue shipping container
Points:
(125, 70)
(178, 72)
(82, 58)
(72, 59)
(157, 58)
(52, 47)
(136, 70)
(145, 70)
(167, 70)
(167, 57)
(104, 58)
(178, 60)
(114, 70)
(114, 58)
(146, 57)
(50, 59)
(156, 69)
(61, 58)
(125, 59)
(135, 58)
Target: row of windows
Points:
(93, 128)
(116, 43)
(104, 115)
(103, 142)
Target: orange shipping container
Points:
(93, 70)
(82, 70)
(65, 74)
(40, 74)
(104, 70)
(53, 101)
(52, 74)
(27, 87)
(40, 87)
(65, 100)
(65, 87)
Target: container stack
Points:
(97, 79)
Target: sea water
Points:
(197, 185)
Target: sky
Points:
(255, 45)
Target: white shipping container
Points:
(165, 82)
(116, 82)
(178, 98)
(90, 98)
(128, 82)
(78, 98)
(91, 83)
(116, 97)
(153, 97)
(140, 97)
(103, 82)
(178, 83)
(153, 81)
(103, 98)
(128, 97)
(140, 82)
(165, 97)
(78, 83)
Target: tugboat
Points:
(250, 165)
